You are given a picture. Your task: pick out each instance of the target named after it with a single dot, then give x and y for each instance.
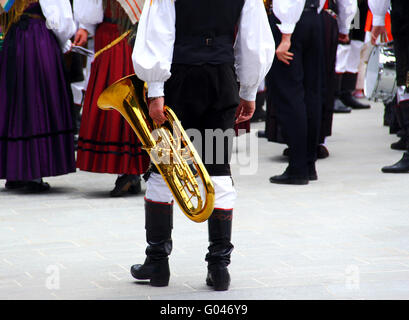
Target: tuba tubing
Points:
(169, 142)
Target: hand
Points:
(343, 38)
(282, 52)
(81, 37)
(156, 110)
(245, 110)
(378, 31)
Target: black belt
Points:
(110, 20)
(205, 40)
(309, 9)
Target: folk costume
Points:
(187, 52)
(36, 126)
(106, 142)
(295, 90)
(400, 33)
(347, 65)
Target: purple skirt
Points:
(36, 127)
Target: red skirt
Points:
(107, 144)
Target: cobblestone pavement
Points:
(345, 236)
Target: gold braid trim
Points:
(16, 11)
(112, 44)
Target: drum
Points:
(380, 78)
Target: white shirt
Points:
(379, 9)
(254, 48)
(59, 19)
(289, 13)
(88, 13)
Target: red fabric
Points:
(326, 5)
(388, 24)
(107, 144)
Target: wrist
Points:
(286, 37)
(155, 98)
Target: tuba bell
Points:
(168, 146)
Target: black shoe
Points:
(157, 272)
(136, 186)
(14, 185)
(401, 166)
(126, 183)
(348, 100)
(322, 152)
(286, 178)
(37, 187)
(401, 133)
(339, 107)
(400, 145)
(218, 278)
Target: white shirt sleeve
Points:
(59, 19)
(153, 51)
(88, 13)
(288, 12)
(379, 9)
(347, 10)
(254, 48)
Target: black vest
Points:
(312, 4)
(205, 31)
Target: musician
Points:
(348, 59)
(400, 33)
(106, 141)
(188, 54)
(36, 127)
(295, 82)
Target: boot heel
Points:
(159, 281)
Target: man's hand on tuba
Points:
(156, 110)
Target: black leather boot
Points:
(339, 107)
(220, 248)
(158, 225)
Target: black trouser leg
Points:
(297, 92)
(404, 111)
(158, 225)
(220, 249)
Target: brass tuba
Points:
(168, 146)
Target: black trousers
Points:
(296, 91)
(401, 46)
(205, 98)
(330, 45)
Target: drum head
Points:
(372, 72)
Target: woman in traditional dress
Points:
(106, 142)
(36, 127)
